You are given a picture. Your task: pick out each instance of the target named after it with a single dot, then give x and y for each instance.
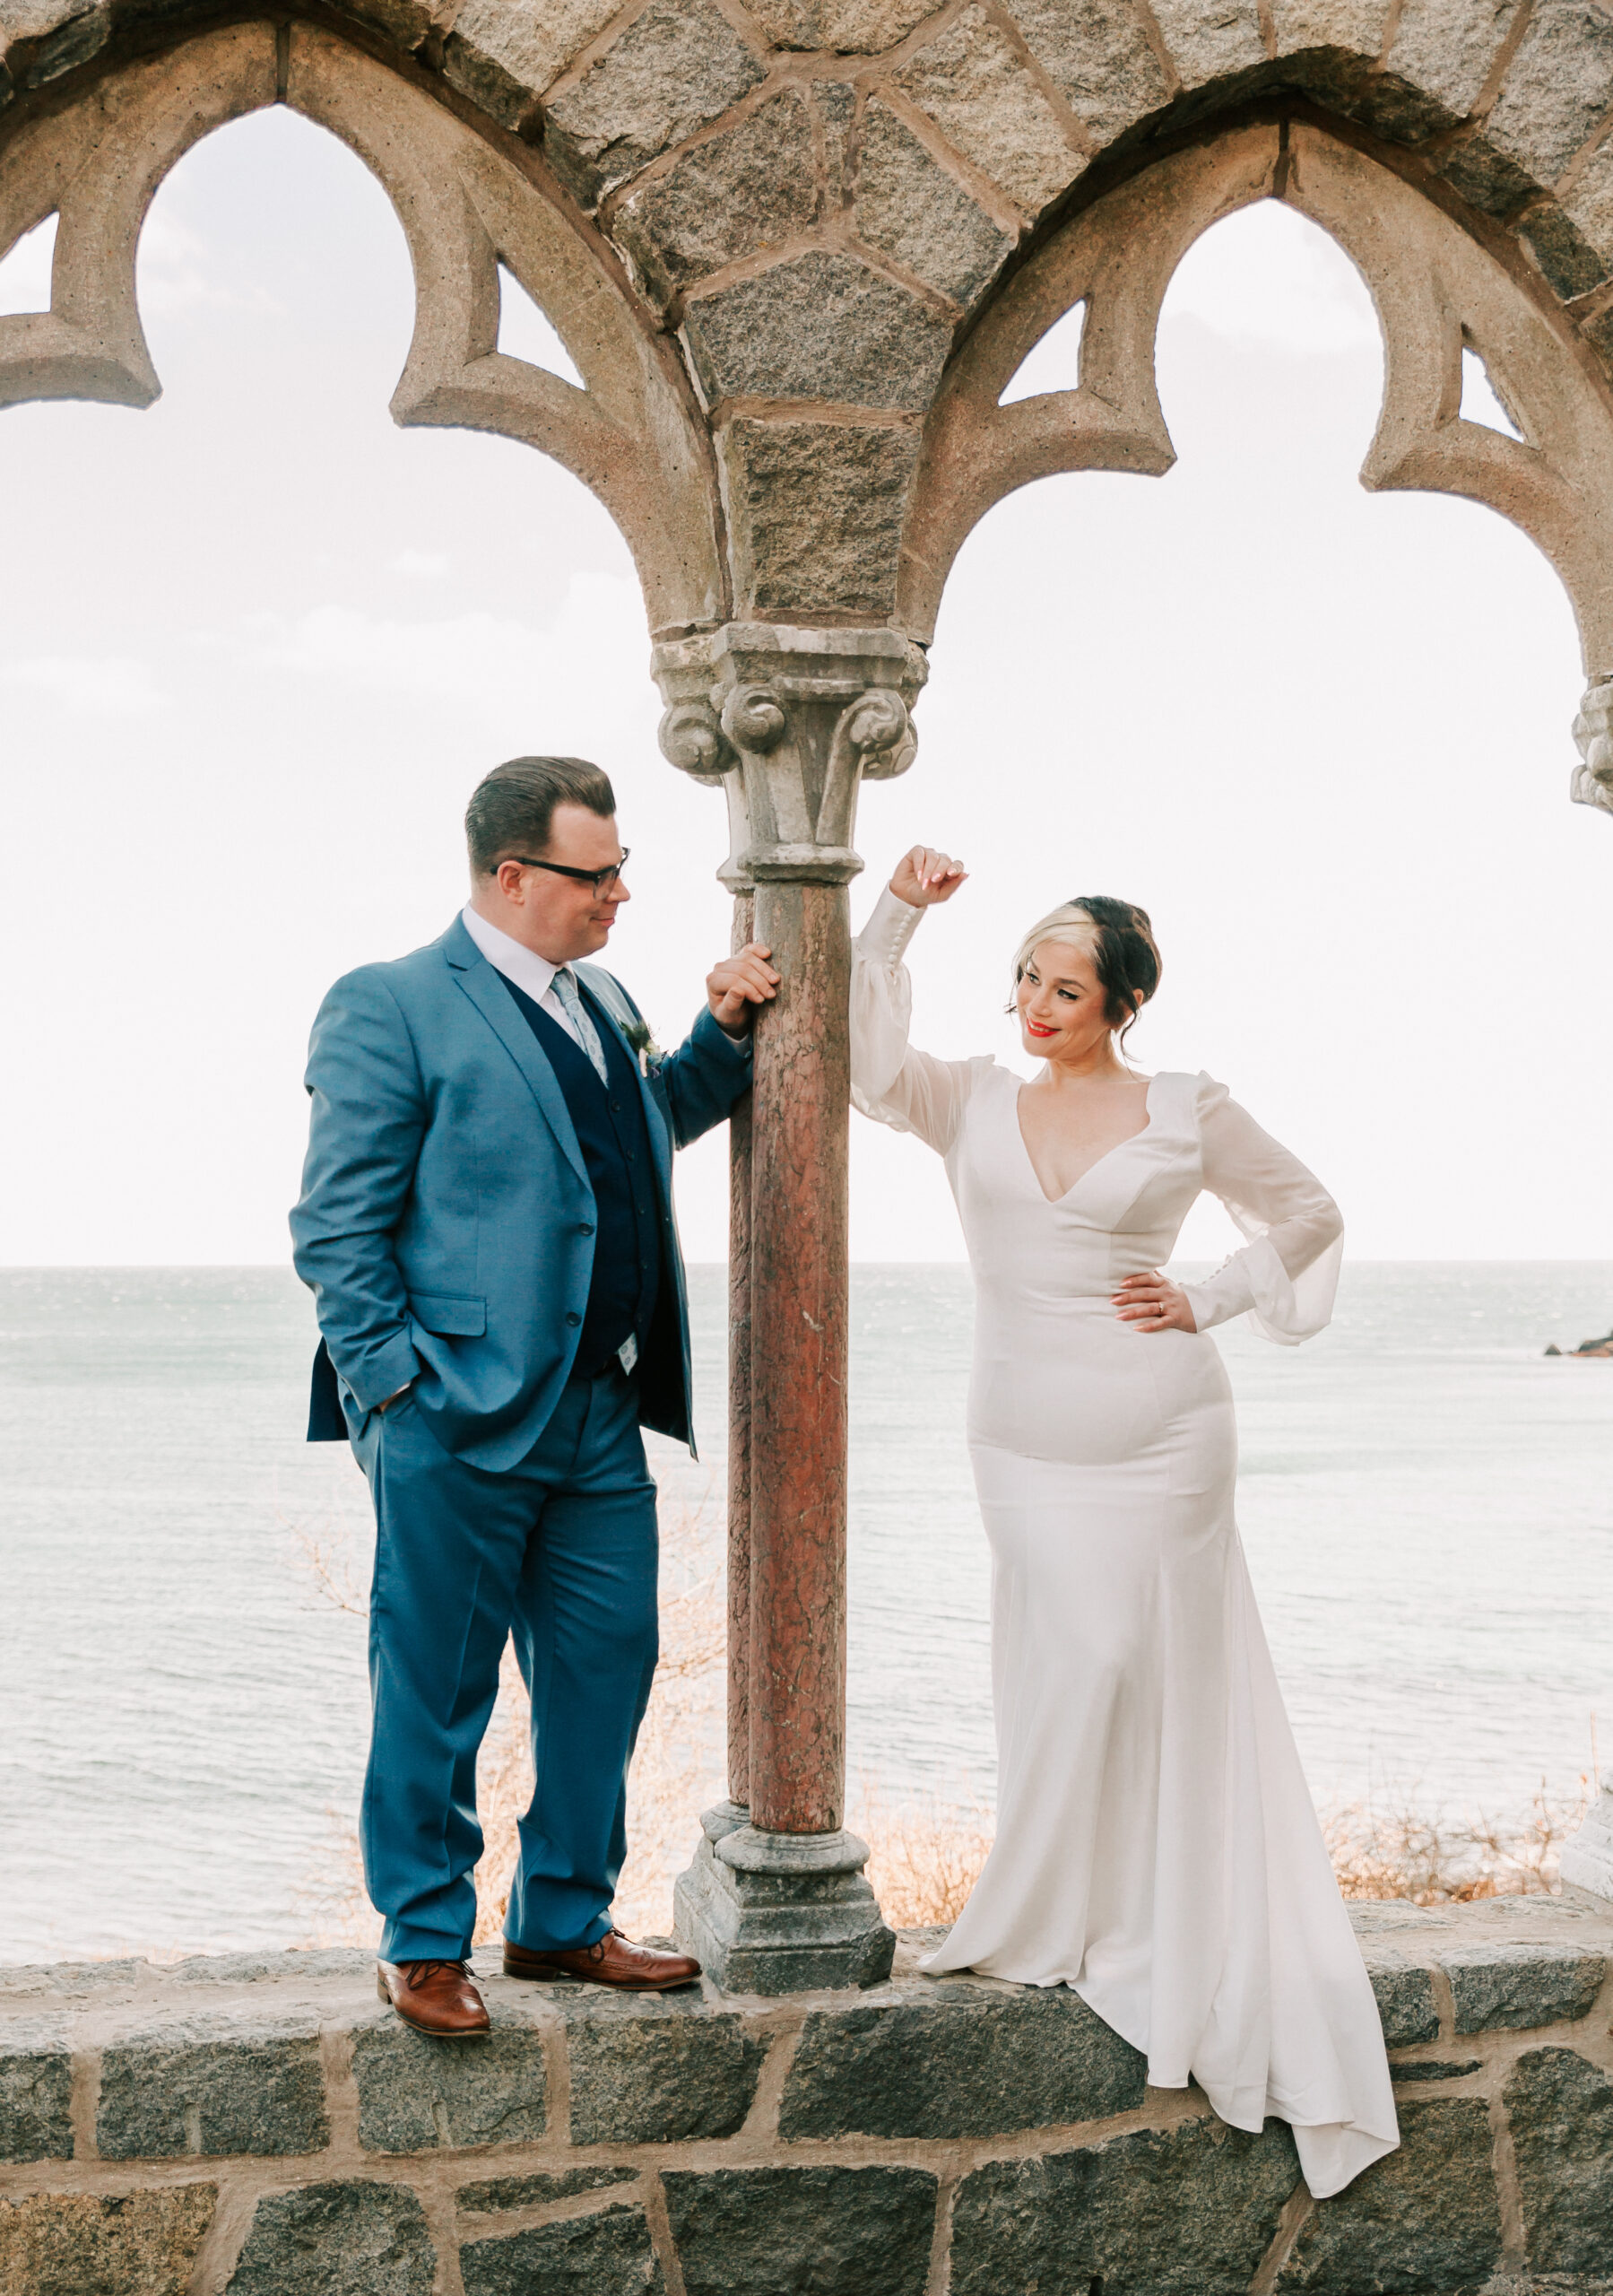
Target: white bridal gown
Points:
(1157, 1848)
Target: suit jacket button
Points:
(584, 1228)
(574, 1320)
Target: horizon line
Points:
(254, 1266)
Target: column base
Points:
(1587, 1869)
(774, 1913)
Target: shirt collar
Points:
(517, 962)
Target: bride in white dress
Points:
(1157, 1848)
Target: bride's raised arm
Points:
(1285, 1277)
(910, 1091)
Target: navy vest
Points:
(615, 1141)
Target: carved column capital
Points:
(1593, 783)
(691, 738)
(790, 721)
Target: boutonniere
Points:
(643, 1046)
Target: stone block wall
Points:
(261, 2125)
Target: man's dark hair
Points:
(512, 811)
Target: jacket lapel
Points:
(482, 984)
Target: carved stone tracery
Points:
(742, 498)
(632, 435)
(1435, 290)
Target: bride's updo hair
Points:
(1118, 937)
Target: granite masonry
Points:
(260, 2125)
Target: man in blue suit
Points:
(486, 1223)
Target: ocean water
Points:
(1425, 1497)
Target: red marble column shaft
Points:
(798, 1365)
(738, 1415)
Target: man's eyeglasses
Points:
(602, 880)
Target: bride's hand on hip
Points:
(925, 876)
(1153, 1303)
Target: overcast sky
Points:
(257, 645)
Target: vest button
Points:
(584, 1228)
(616, 1108)
(574, 1320)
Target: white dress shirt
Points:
(520, 964)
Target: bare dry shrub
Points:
(677, 1767)
(1395, 1850)
(335, 1909)
(925, 1856)
(926, 1853)
(325, 1556)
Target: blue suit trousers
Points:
(561, 1550)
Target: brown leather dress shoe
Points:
(436, 1997)
(612, 1959)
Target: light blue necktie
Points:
(582, 1021)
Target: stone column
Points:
(1593, 782)
(789, 721)
(692, 739)
(740, 1128)
(1587, 1866)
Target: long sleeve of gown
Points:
(911, 1091)
(1286, 1276)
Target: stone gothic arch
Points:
(633, 434)
(1437, 291)
(796, 248)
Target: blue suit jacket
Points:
(445, 1225)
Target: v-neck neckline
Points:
(1051, 1200)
